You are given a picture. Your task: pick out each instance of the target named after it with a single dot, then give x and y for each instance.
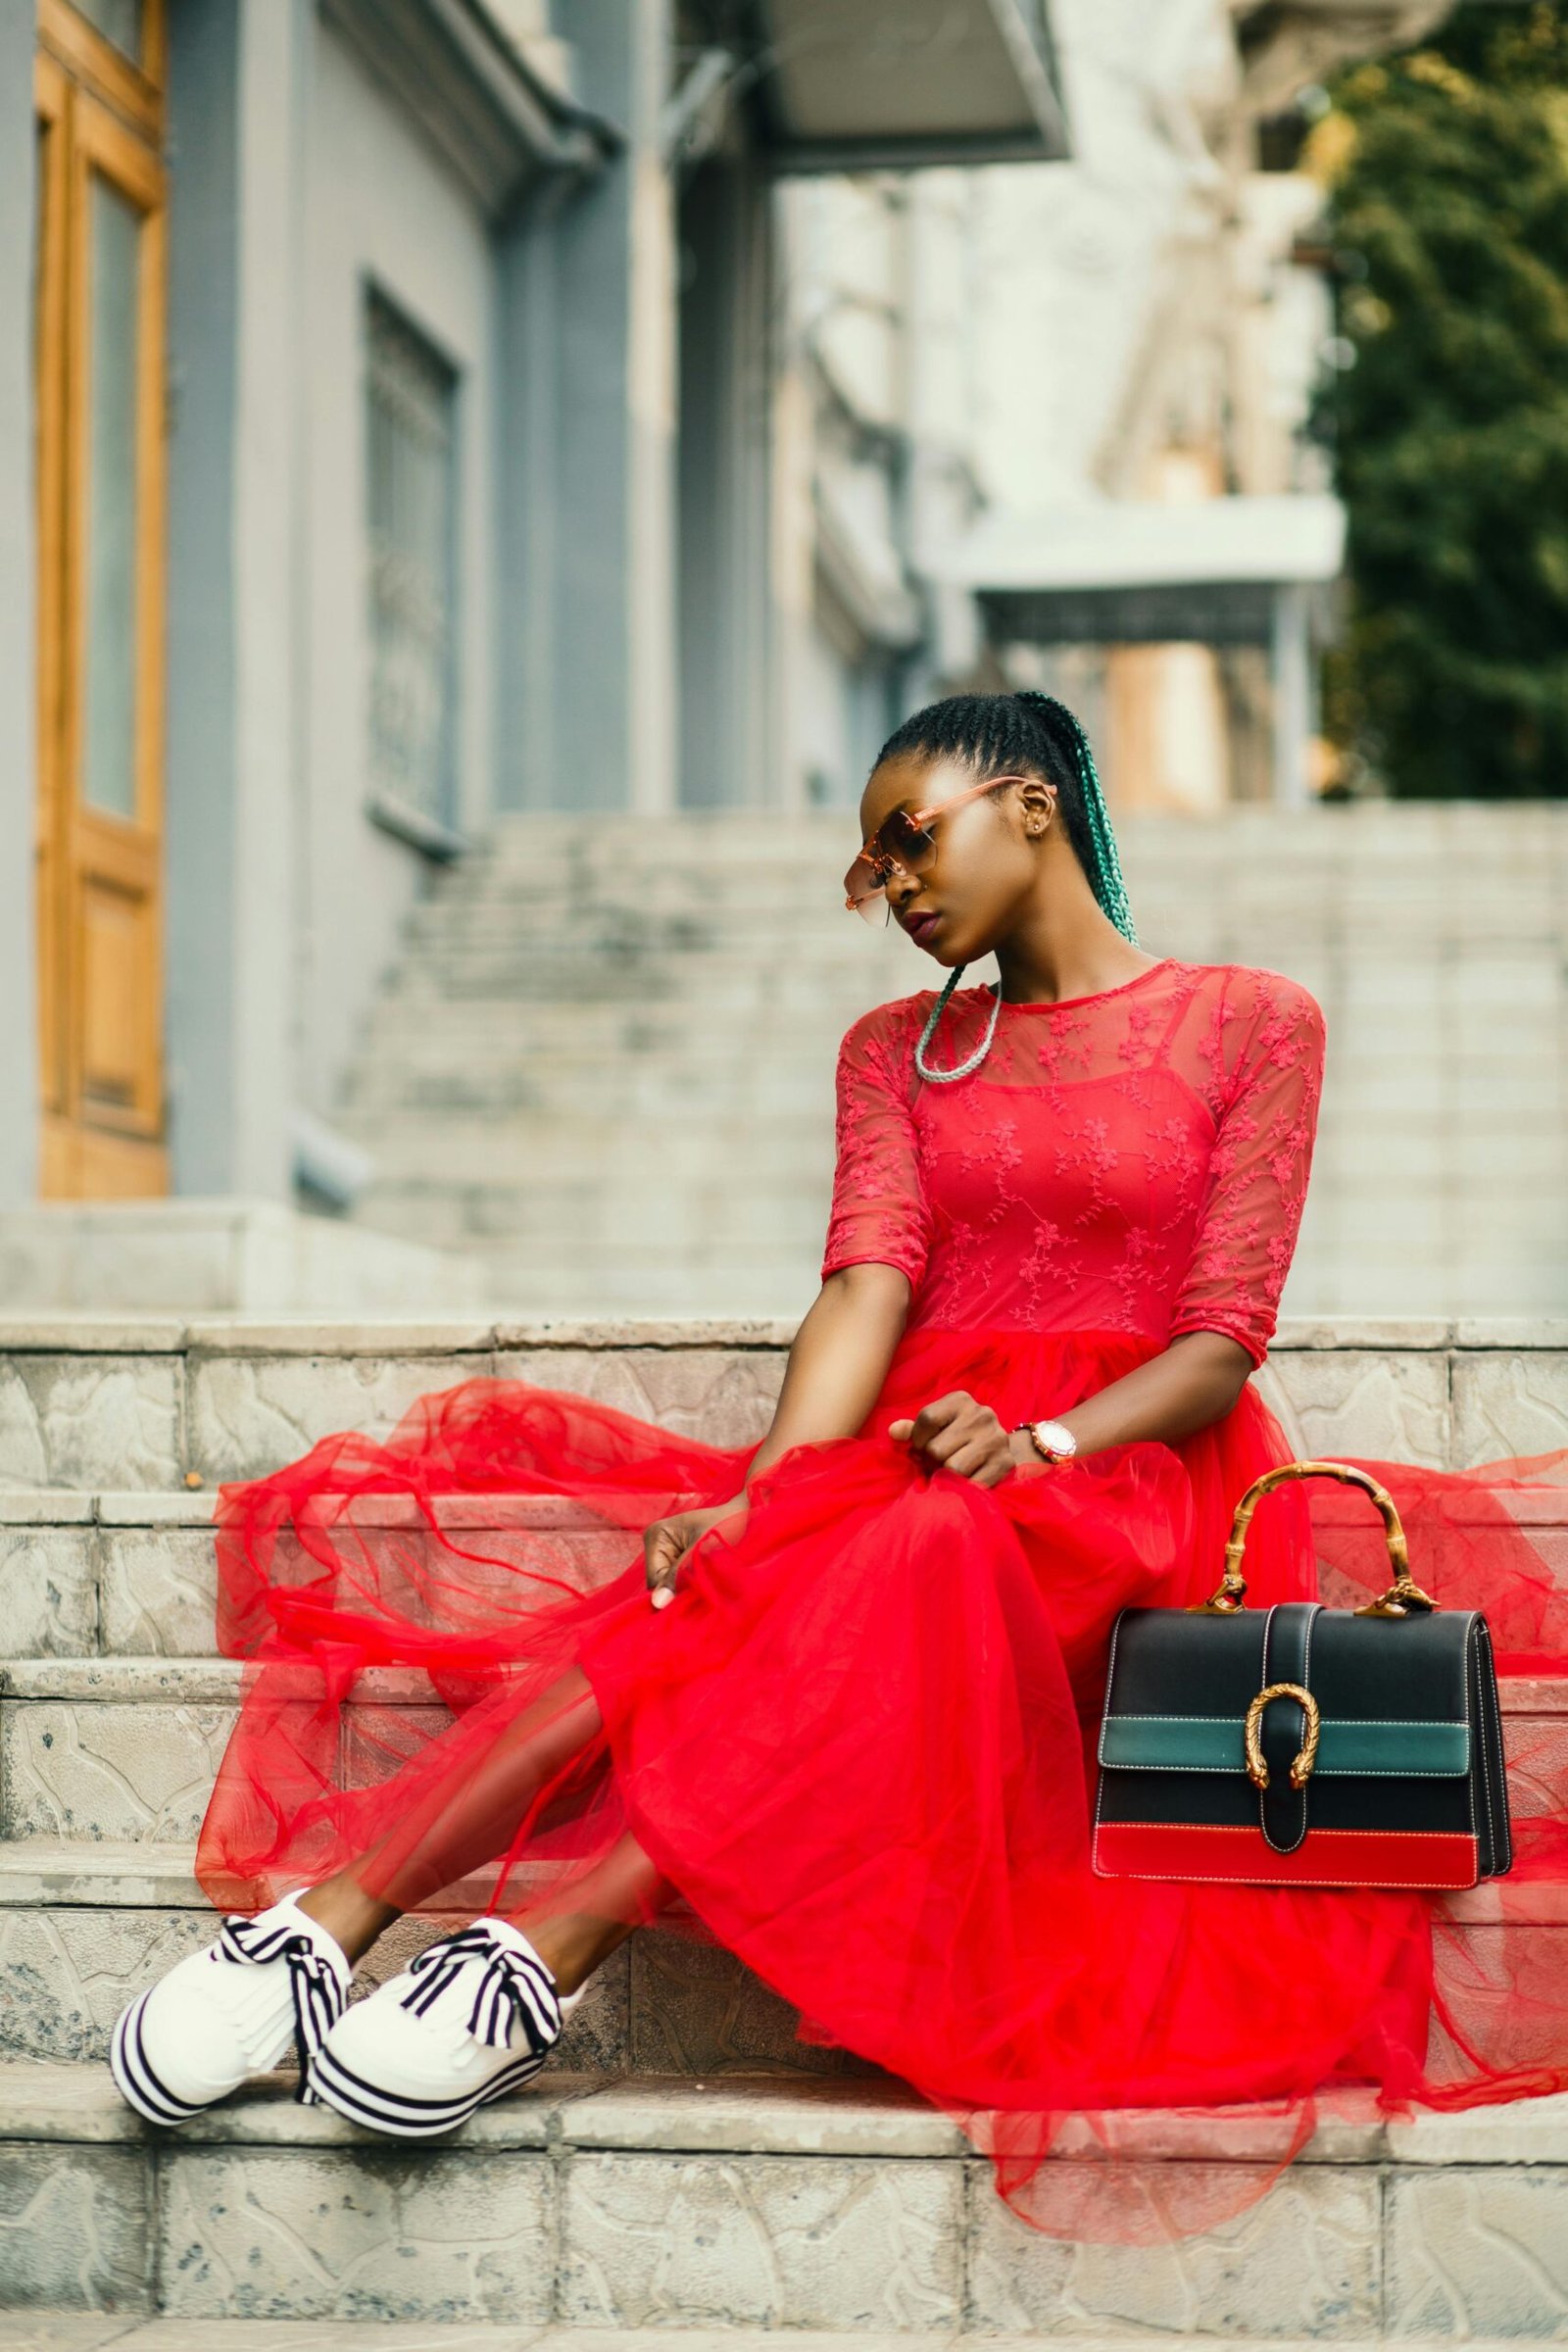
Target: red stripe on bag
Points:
(1139, 1849)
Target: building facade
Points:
(413, 409)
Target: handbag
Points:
(1302, 1745)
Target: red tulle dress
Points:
(859, 1743)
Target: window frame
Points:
(436, 832)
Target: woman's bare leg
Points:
(574, 1931)
(472, 1825)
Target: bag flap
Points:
(1393, 1693)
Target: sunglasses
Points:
(902, 842)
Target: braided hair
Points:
(1031, 731)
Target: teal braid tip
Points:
(1105, 877)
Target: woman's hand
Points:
(957, 1434)
(666, 1542)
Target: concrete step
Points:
(766, 2204)
(134, 1576)
(113, 1749)
(84, 1927)
(580, 967)
(147, 1403)
(585, 1222)
(548, 1079)
(597, 1278)
(589, 1146)
(55, 2331)
(217, 1257)
(707, 988)
(107, 1405)
(637, 1020)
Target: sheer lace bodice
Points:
(1134, 1162)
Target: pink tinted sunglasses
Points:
(903, 840)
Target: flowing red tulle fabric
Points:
(860, 1743)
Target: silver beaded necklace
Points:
(963, 1068)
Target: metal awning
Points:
(1145, 573)
(853, 85)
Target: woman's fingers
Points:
(662, 1553)
(956, 1433)
(933, 1419)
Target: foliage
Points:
(1448, 216)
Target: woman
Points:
(839, 1716)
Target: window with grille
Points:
(410, 433)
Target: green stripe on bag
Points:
(1214, 1744)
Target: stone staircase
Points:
(687, 2163)
(604, 1061)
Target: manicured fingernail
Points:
(663, 1598)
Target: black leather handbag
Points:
(1302, 1745)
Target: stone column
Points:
(19, 774)
(237, 86)
(1292, 682)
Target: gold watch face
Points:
(1053, 1434)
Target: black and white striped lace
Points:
(318, 1991)
(511, 1986)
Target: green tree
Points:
(1448, 216)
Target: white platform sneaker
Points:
(231, 2012)
(474, 2017)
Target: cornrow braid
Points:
(1029, 730)
(1104, 864)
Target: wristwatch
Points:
(1052, 1441)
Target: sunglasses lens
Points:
(901, 838)
(898, 838)
(865, 892)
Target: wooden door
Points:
(99, 357)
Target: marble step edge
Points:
(64, 1506)
(23, 1333)
(214, 1682)
(67, 1333)
(130, 1875)
(48, 2330)
(499, 1512)
(46, 2101)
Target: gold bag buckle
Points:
(1256, 1762)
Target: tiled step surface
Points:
(85, 1927)
(148, 1404)
(134, 1576)
(98, 1748)
(799, 2190)
(766, 2204)
(67, 2332)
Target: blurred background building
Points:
(479, 482)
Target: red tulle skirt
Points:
(860, 1747)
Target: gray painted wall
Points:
(19, 1066)
(378, 207)
(237, 93)
(296, 182)
(589, 453)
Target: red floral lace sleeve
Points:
(879, 1213)
(1258, 1170)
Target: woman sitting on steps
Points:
(839, 1715)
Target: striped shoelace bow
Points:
(511, 1985)
(318, 1993)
